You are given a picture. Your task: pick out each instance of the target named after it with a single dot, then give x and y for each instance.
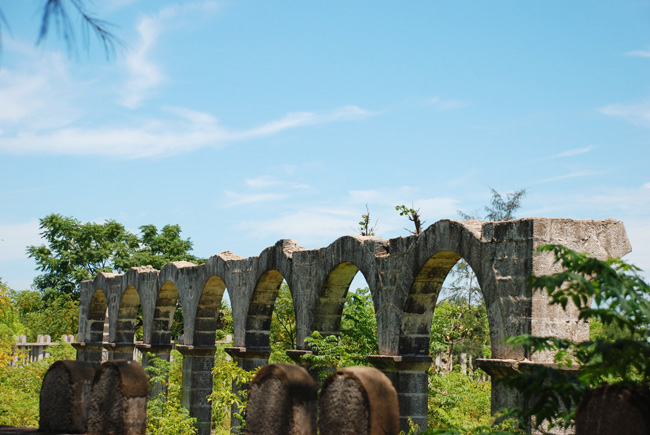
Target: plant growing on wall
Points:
(365, 228)
(414, 216)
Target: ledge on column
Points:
(153, 348)
(500, 368)
(296, 355)
(392, 363)
(248, 352)
(192, 350)
(118, 347)
(82, 345)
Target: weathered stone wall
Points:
(404, 275)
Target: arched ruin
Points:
(404, 275)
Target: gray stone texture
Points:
(64, 397)
(118, 399)
(613, 410)
(404, 276)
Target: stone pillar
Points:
(89, 352)
(64, 397)
(118, 399)
(409, 377)
(248, 358)
(359, 400)
(282, 400)
(198, 362)
(120, 351)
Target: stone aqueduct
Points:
(404, 275)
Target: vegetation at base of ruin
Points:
(165, 413)
(283, 327)
(609, 292)
(55, 13)
(414, 216)
(20, 386)
(460, 400)
(226, 374)
(357, 338)
(76, 251)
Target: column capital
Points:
(249, 352)
(500, 368)
(191, 350)
(394, 363)
(153, 348)
(296, 355)
(88, 345)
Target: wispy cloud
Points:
(638, 53)
(181, 130)
(444, 104)
(234, 198)
(572, 152)
(637, 114)
(575, 174)
(144, 75)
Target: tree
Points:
(77, 251)
(412, 215)
(283, 326)
(499, 209)
(56, 12)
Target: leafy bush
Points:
(165, 413)
(612, 294)
(20, 387)
(227, 373)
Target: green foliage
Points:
(459, 400)
(412, 215)
(357, 340)
(364, 224)
(283, 326)
(20, 387)
(50, 313)
(609, 292)
(10, 325)
(459, 329)
(77, 251)
(165, 414)
(226, 374)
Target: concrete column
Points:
(120, 351)
(409, 377)
(198, 362)
(89, 352)
(249, 359)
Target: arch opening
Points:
(97, 317)
(129, 317)
(168, 315)
(209, 312)
(260, 312)
(283, 326)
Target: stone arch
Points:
(127, 315)
(207, 311)
(161, 332)
(260, 311)
(331, 298)
(96, 317)
(433, 255)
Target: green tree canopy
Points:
(76, 251)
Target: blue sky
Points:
(248, 122)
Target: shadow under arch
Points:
(127, 315)
(260, 311)
(332, 298)
(161, 331)
(96, 317)
(207, 312)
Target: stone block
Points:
(64, 397)
(282, 400)
(359, 400)
(613, 410)
(118, 399)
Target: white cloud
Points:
(14, 239)
(184, 131)
(242, 198)
(262, 181)
(637, 114)
(573, 152)
(646, 186)
(575, 174)
(638, 53)
(444, 105)
(144, 74)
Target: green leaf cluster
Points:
(76, 251)
(609, 292)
